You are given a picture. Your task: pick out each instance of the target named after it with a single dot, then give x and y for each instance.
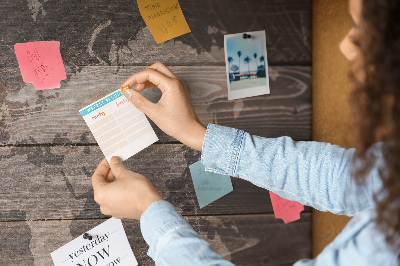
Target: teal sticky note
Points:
(209, 186)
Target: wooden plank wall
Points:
(47, 153)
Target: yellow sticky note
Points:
(164, 19)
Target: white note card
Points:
(118, 126)
(109, 247)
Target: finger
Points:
(99, 176)
(142, 86)
(157, 78)
(140, 102)
(110, 177)
(117, 167)
(160, 67)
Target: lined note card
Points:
(118, 126)
(164, 18)
(41, 64)
(209, 186)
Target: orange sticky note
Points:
(41, 64)
(288, 211)
(164, 19)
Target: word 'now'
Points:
(99, 256)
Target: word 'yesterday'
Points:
(87, 247)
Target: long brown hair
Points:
(376, 105)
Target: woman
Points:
(316, 174)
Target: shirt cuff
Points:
(222, 148)
(157, 220)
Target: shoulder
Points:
(361, 241)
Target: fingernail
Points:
(115, 160)
(129, 92)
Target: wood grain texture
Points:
(100, 32)
(51, 116)
(47, 153)
(241, 239)
(55, 182)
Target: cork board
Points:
(331, 89)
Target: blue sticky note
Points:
(209, 186)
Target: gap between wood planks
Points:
(190, 64)
(17, 145)
(306, 211)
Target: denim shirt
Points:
(312, 173)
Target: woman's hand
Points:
(174, 112)
(127, 197)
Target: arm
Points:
(315, 174)
(312, 173)
(171, 239)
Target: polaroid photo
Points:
(246, 64)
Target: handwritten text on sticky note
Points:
(164, 19)
(288, 211)
(41, 64)
(209, 186)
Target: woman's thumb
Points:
(117, 167)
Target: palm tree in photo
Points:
(234, 68)
(247, 60)
(262, 59)
(230, 60)
(255, 58)
(239, 54)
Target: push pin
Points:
(87, 236)
(246, 36)
(125, 88)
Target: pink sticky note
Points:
(41, 64)
(284, 209)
